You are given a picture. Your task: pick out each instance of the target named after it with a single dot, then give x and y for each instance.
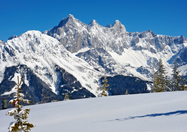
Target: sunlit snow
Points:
(151, 112)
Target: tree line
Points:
(161, 82)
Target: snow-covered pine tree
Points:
(104, 88)
(20, 115)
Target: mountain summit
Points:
(69, 19)
(92, 23)
(117, 24)
(114, 50)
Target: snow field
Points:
(127, 113)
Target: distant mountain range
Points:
(73, 56)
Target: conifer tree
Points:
(126, 93)
(156, 83)
(161, 74)
(20, 115)
(183, 84)
(104, 88)
(176, 79)
(66, 96)
(45, 97)
(159, 81)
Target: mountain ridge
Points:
(72, 57)
(45, 66)
(115, 41)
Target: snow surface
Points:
(165, 111)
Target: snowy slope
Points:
(153, 112)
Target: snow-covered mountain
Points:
(114, 50)
(154, 112)
(46, 66)
(73, 56)
(49, 70)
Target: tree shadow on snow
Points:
(179, 112)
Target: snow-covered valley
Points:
(153, 112)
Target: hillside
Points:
(165, 111)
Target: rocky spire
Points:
(118, 26)
(69, 18)
(93, 23)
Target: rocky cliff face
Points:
(113, 50)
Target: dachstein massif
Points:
(73, 57)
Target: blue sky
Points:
(167, 17)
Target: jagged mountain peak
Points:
(93, 23)
(149, 30)
(147, 33)
(70, 16)
(65, 26)
(117, 24)
(68, 19)
(86, 41)
(183, 38)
